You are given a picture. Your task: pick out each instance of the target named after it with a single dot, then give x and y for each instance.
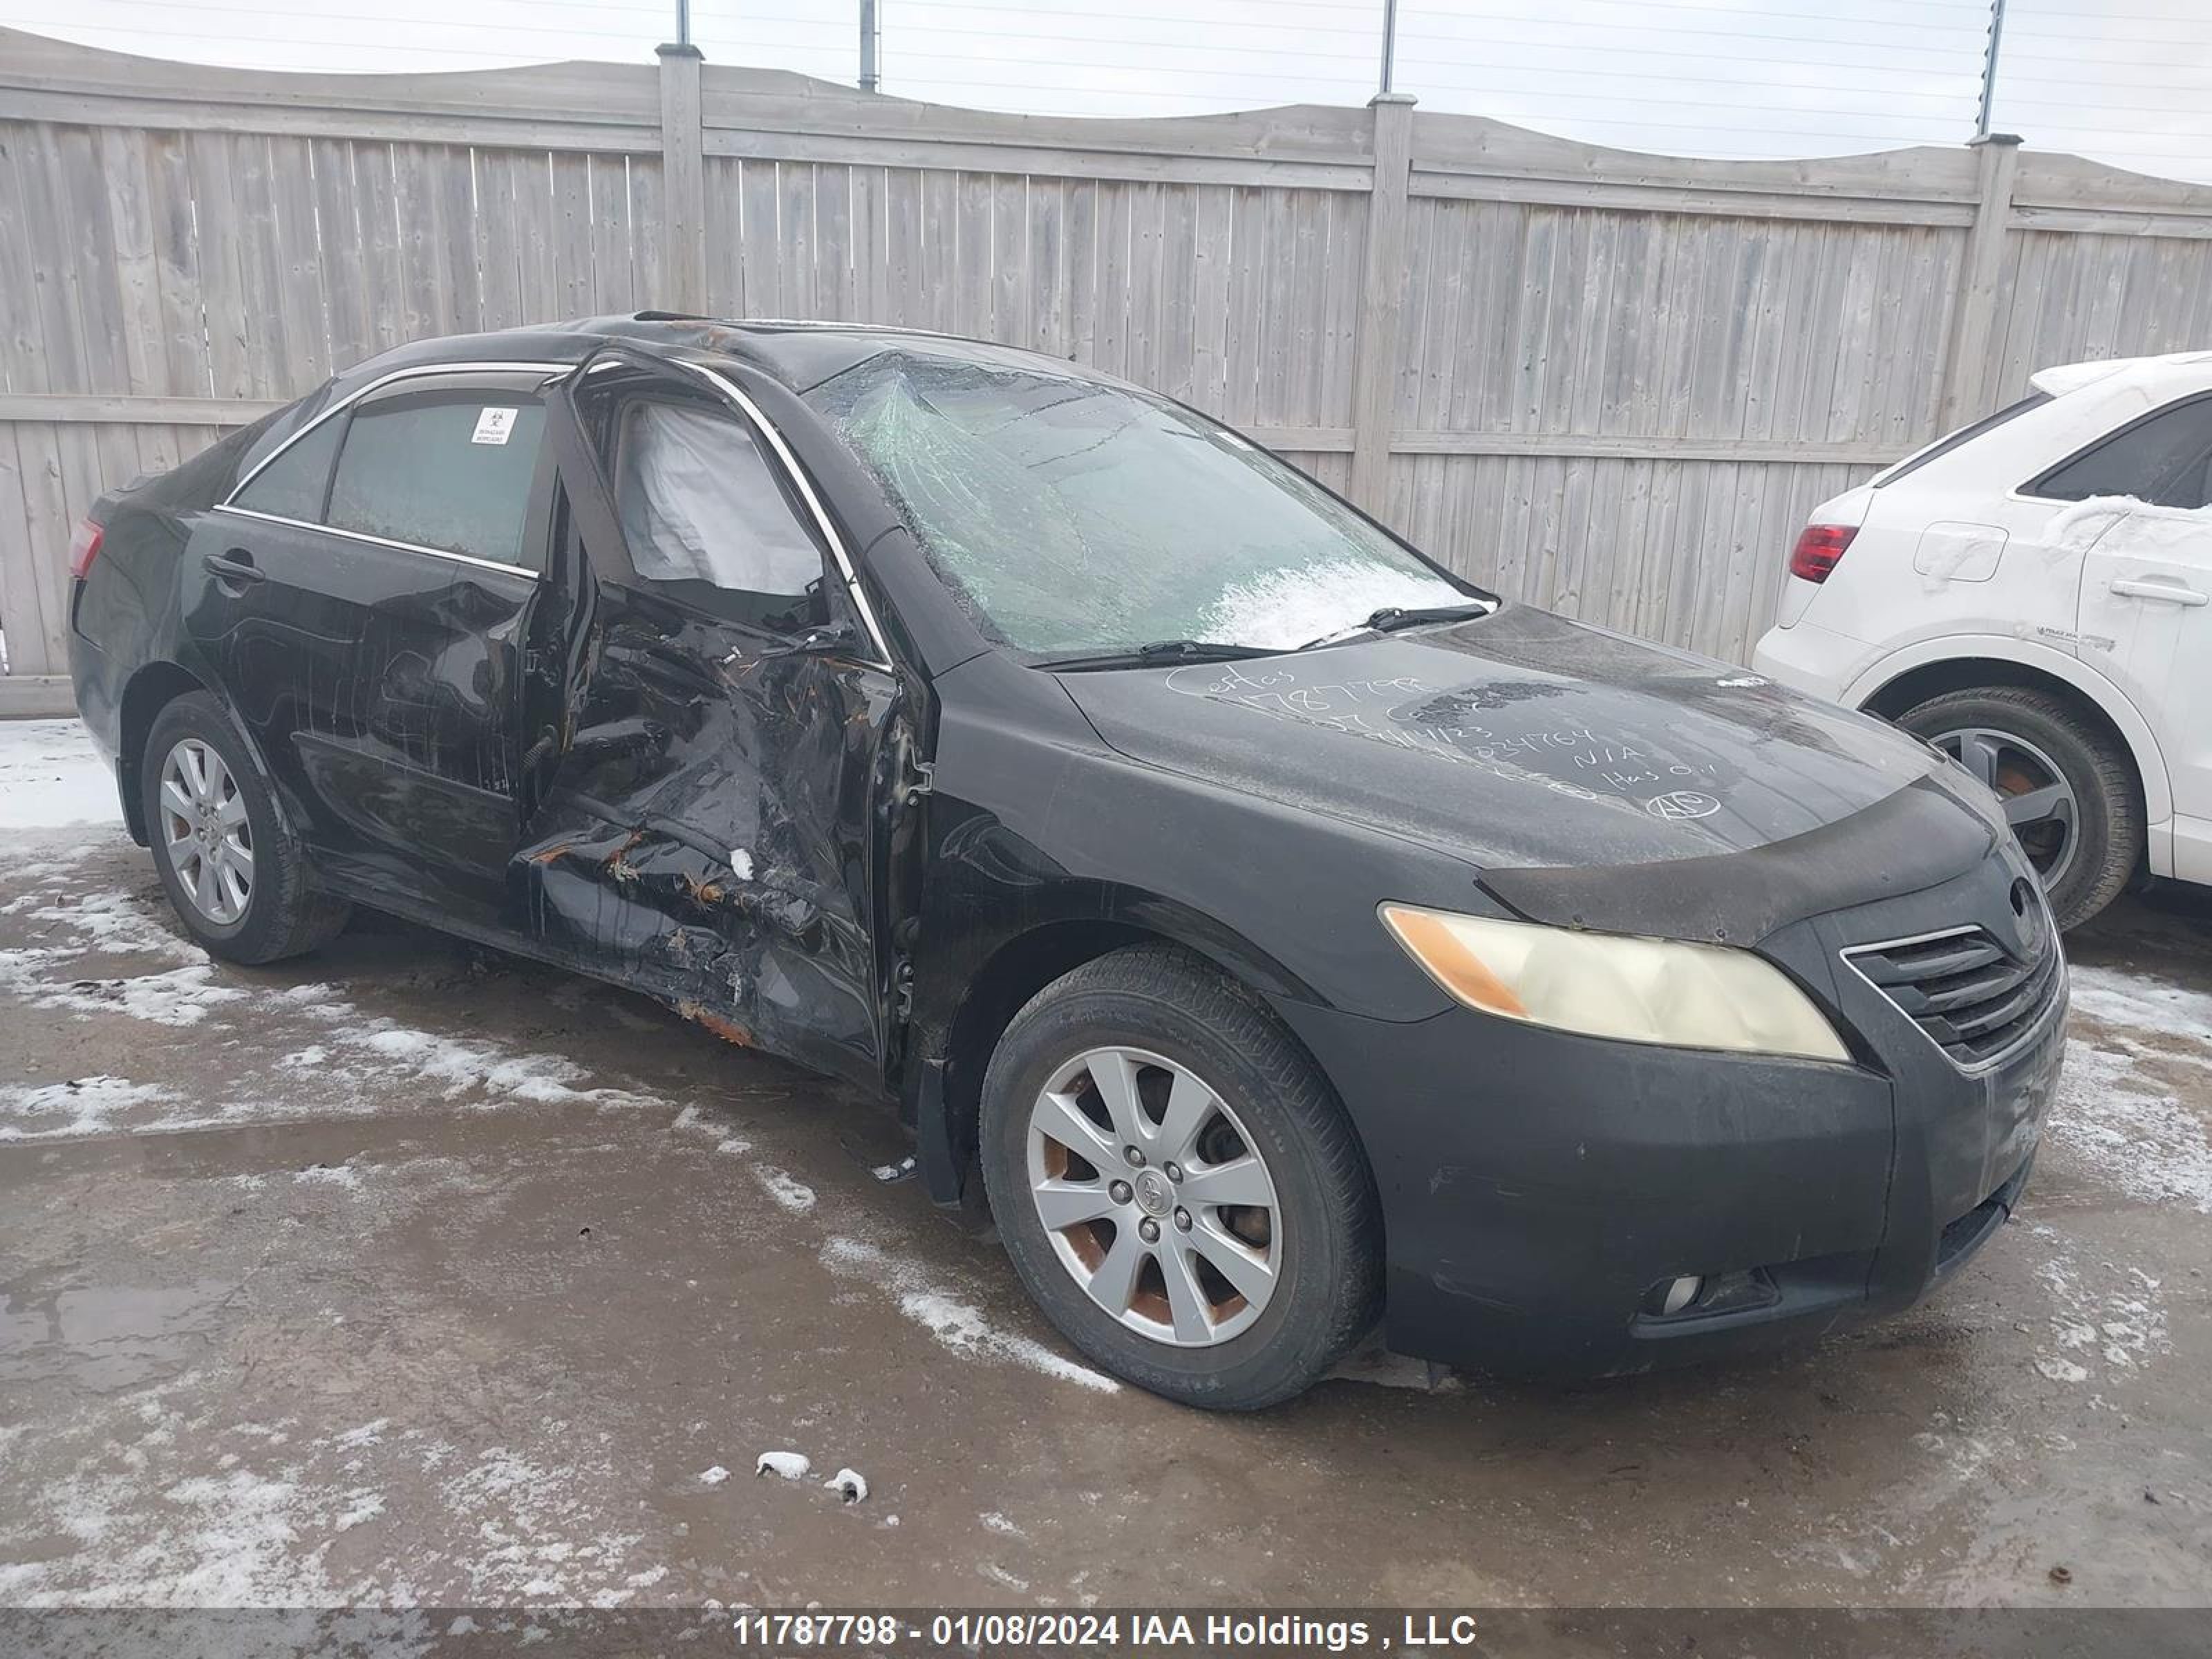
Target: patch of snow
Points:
(1380, 1368)
(466, 1067)
(52, 777)
(741, 864)
(959, 1325)
(2103, 1314)
(365, 1507)
(181, 997)
(2137, 526)
(794, 1195)
(2114, 1112)
(1283, 609)
(713, 1477)
(342, 1072)
(79, 1106)
(332, 1175)
(790, 1465)
(850, 1485)
(117, 923)
(997, 1522)
(2140, 1002)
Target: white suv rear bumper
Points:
(1811, 659)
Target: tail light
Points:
(1819, 550)
(84, 548)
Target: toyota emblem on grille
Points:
(2034, 935)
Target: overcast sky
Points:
(2128, 82)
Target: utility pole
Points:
(871, 29)
(1390, 39)
(1990, 67)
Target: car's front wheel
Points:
(1177, 1183)
(237, 879)
(2068, 786)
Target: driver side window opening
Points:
(707, 517)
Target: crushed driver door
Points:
(707, 818)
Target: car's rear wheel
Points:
(236, 878)
(2068, 786)
(1177, 1183)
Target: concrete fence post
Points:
(1965, 380)
(1381, 301)
(684, 181)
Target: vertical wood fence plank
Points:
(1382, 297)
(1975, 310)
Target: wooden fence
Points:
(1607, 382)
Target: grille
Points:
(1973, 998)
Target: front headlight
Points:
(1611, 985)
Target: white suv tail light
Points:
(1819, 550)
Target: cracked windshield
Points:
(1074, 517)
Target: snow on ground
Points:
(2115, 1112)
(957, 1323)
(2107, 1318)
(51, 777)
(83, 947)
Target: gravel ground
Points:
(413, 1274)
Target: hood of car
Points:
(1526, 742)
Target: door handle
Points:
(2153, 587)
(235, 566)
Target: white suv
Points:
(2030, 594)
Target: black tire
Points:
(2096, 766)
(1328, 1277)
(285, 914)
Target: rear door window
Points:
(292, 484)
(2163, 459)
(449, 470)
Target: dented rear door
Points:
(709, 828)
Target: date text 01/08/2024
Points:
(975, 1629)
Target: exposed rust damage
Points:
(619, 866)
(720, 1024)
(700, 891)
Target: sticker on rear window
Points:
(493, 426)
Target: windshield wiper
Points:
(1163, 651)
(1392, 617)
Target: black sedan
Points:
(1287, 932)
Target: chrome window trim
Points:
(383, 541)
(2032, 1034)
(789, 462)
(376, 384)
(721, 383)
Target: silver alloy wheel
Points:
(1155, 1198)
(2039, 802)
(205, 831)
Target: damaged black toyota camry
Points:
(1284, 933)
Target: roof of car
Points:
(800, 354)
(2060, 379)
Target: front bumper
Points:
(1537, 1187)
